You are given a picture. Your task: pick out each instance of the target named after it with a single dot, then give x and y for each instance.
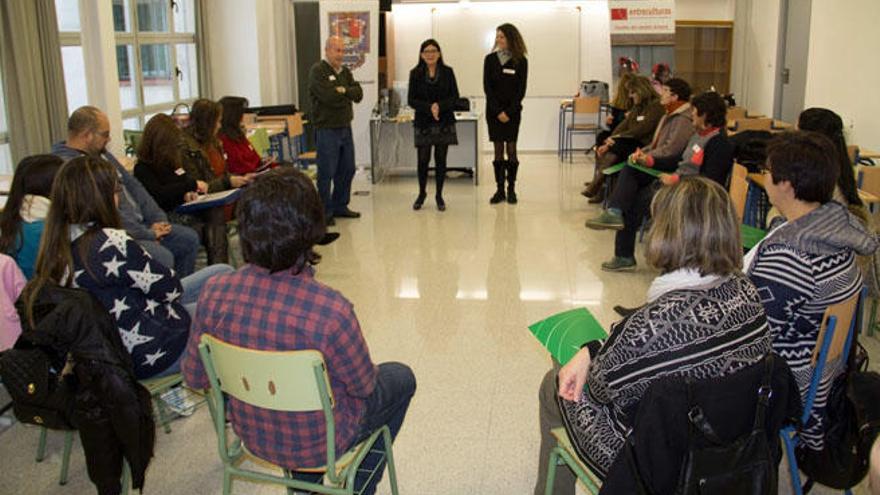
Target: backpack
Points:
(41, 394)
(853, 423)
(595, 88)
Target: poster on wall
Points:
(642, 21)
(356, 22)
(354, 29)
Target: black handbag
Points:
(743, 466)
(41, 394)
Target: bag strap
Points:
(630, 447)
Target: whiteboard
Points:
(552, 37)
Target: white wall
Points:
(842, 69)
(755, 48)
(413, 24)
(704, 10)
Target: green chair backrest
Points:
(132, 139)
(277, 380)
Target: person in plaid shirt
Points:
(274, 303)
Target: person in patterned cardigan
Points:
(703, 319)
(85, 246)
(808, 260)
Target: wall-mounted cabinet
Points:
(703, 54)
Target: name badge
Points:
(332, 78)
(509, 71)
(180, 171)
(640, 118)
(696, 148)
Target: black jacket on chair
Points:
(659, 440)
(111, 410)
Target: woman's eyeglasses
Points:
(431, 51)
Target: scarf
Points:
(503, 56)
(34, 208)
(675, 105)
(682, 278)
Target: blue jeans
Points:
(335, 149)
(176, 250)
(192, 288)
(387, 405)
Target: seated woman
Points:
(241, 157)
(203, 155)
(703, 319)
(24, 215)
(84, 237)
(634, 189)
(635, 131)
(807, 262)
(160, 170)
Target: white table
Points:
(393, 150)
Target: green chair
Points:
(564, 454)
(156, 387)
(292, 381)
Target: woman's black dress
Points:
(505, 88)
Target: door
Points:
(792, 77)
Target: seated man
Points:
(625, 213)
(175, 246)
(275, 303)
(808, 261)
(707, 153)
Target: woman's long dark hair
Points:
(161, 143)
(830, 124)
(83, 193)
(34, 175)
(203, 117)
(422, 66)
(233, 109)
(515, 43)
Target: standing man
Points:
(175, 246)
(333, 89)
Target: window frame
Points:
(171, 38)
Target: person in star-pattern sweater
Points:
(83, 236)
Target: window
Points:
(156, 57)
(5, 155)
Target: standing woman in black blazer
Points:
(432, 93)
(505, 72)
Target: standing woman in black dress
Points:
(432, 93)
(505, 72)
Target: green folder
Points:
(563, 334)
(649, 171)
(613, 169)
(260, 140)
(751, 235)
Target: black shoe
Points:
(497, 197)
(346, 213)
(511, 196)
(624, 312)
(420, 200)
(329, 221)
(441, 205)
(328, 238)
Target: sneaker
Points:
(619, 264)
(607, 220)
(178, 400)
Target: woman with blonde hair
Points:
(634, 132)
(695, 243)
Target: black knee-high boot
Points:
(423, 184)
(440, 178)
(512, 168)
(499, 166)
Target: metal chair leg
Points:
(551, 472)
(41, 445)
(65, 457)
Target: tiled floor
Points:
(451, 294)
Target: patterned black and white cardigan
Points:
(698, 332)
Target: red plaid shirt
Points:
(281, 311)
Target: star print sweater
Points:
(140, 293)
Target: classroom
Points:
(641, 221)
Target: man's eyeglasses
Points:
(103, 134)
